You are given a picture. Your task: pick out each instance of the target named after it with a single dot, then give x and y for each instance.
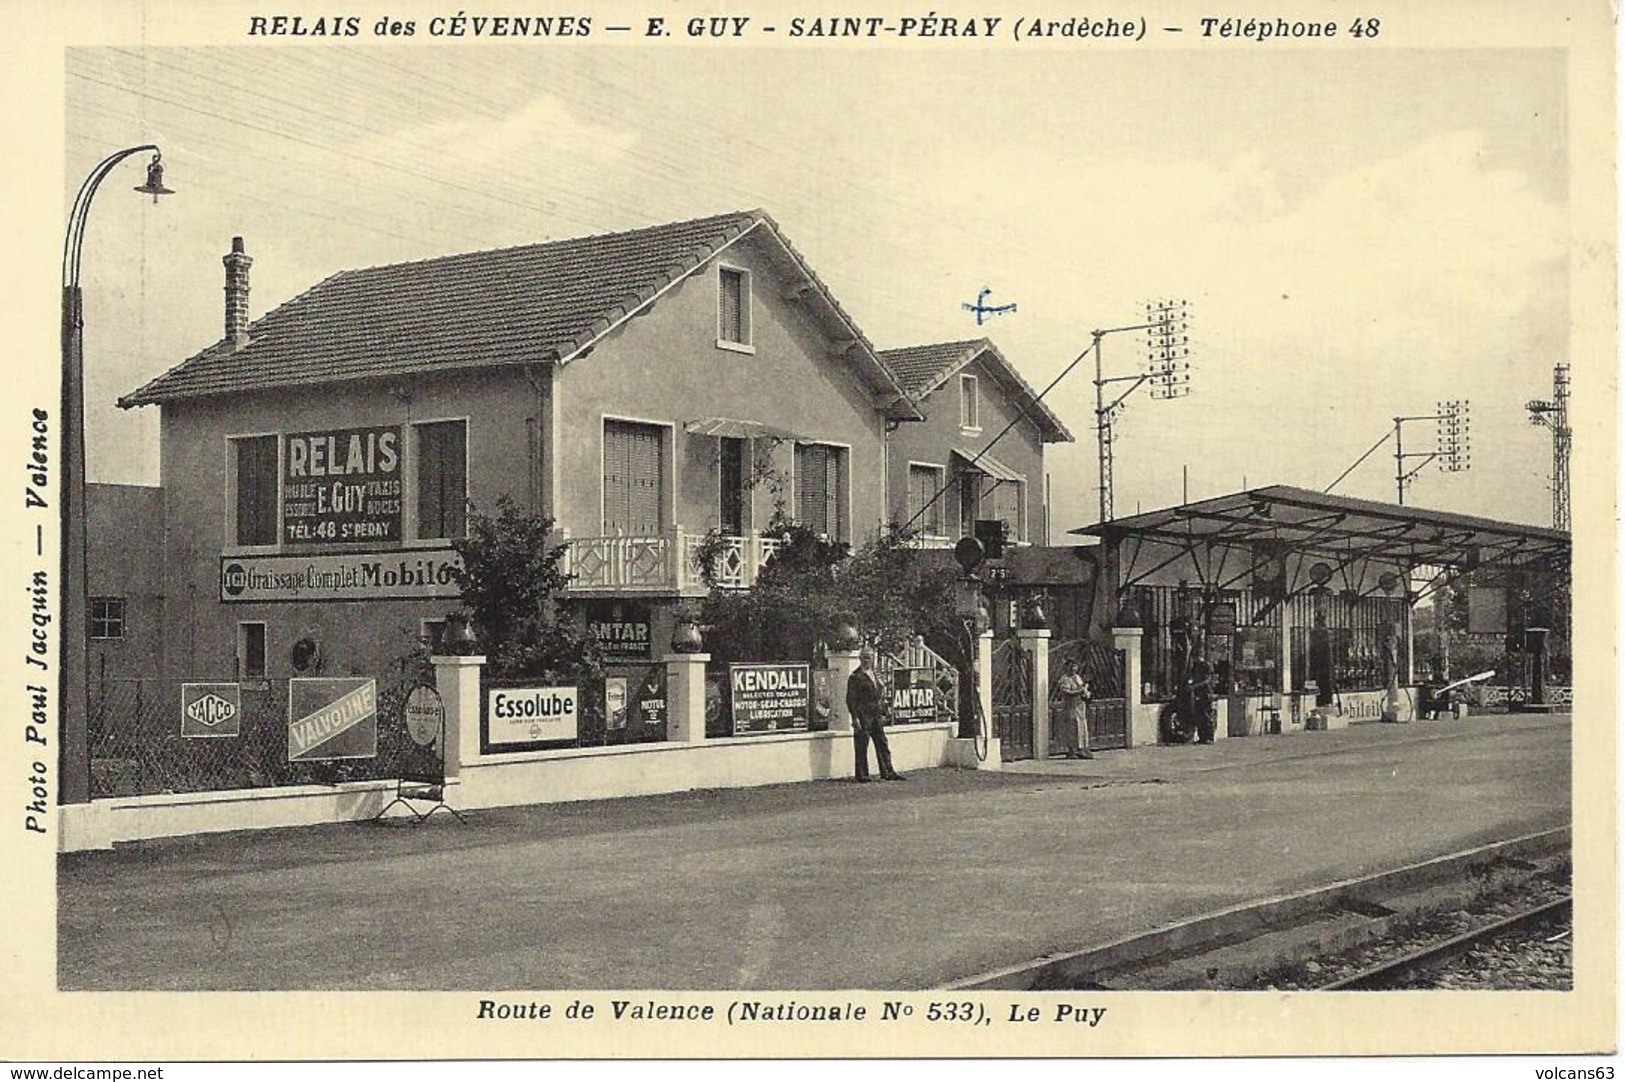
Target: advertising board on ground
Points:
(770, 698)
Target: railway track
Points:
(1399, 971)
(1247, 946)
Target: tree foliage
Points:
(511, 574)
(889, 589)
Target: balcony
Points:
(663, 564)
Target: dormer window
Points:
(733, 309)
(969, 415)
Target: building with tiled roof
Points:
(979, 454)
(638, 387)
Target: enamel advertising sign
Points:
(351, 576)
(210, 710)
(770, 698)
(520, 718)
(332, 718)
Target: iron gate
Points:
(1013, 700)
(1103, 666)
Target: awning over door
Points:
(730, 428)
(989, 465)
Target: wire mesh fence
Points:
(137, 747)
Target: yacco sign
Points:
(350, 576)
(341, 485)
(332, 718)
(519, 718)
(769, 698)
(210, 710)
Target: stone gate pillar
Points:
(842, 664)
(1127, 639)
(685, 697)
(1035, 644)
(457, 678)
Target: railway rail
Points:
(1243, 946)
(1396, 972)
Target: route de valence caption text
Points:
(967, 1012)
(37, 654)
(926, 25)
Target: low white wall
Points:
(101, 823)
(543, 777)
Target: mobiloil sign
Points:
(520, 718)
(356, 576)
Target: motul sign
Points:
(210, 710)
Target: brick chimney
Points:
(237, 264)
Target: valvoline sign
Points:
(210, 710)
(332, 718)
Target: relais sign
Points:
(342, 485)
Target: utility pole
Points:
(1168, 367)
(1553, 413)
(1453, 451)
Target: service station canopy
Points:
(1344, 529)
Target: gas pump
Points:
(972, 613)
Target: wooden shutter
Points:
(922, 509)
(821, 489)
(732, 306)
(632, 479)
(442, 478)
(256, 491)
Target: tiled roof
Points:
(917, 368)
(540, 302)
(922, 369)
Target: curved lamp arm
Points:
(81, 209)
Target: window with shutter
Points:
(256, 481)
(633, 468)
(821, 489)
(1007, 501)
(924, 504)
(442, 449)
(733, 306)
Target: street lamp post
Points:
(73, 708)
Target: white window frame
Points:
(668, 470)
(232, 548)
(846, 448)
(425, 632)
(243, 677)
(941, 471)
(970, 406)
(746, 314)
(409, 482)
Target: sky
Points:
(1359, 235)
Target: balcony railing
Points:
(667, 563)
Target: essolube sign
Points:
(531, 715)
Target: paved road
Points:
(823, 885)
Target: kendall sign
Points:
(770, 698)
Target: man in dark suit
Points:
(869, 701)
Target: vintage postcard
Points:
(662, 529)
